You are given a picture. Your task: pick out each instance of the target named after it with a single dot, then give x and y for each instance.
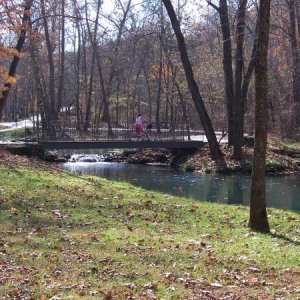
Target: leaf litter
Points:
(113, 241)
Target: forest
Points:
(91, 62)
(226, 67)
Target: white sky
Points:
(194, 6)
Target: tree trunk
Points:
(50, 63)
(42, 97)
(106, 115)
(235, 90)
(148, 93)
(258, 214)
(239, 66)
(77, 67)
(295, 59)
(227, 67)
(196, 96)
(15, 62)
(159, 88)
(160, 70)
(62, 62)
(93, 38)
(183, 106)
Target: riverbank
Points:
(67, 235)
(283, 158)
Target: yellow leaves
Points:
(6, 53)
(166, 70)
(4, 78)
(11, 79)
(80, 235)
(14, 211)
(9, 52)
(3, 74)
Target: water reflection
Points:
(282, 192)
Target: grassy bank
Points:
(80, 237)
(13, 134)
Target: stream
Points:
(281, 191)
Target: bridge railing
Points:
(63, 131)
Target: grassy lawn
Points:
(12, 134)
(286, 145)
(72, 236)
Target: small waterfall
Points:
(88, 158)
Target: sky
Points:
(192, 5)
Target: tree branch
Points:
(213, 5)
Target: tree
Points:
(295, 57)
(215, 151)
(13, 67)
(258, 214)
(236, 85)
(227, 66)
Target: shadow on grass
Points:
(284, 238)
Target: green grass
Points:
(287, 145)
(83, 237)
(12, 134)
(295, 146)
(274, 165)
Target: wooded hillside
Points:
(95, 65)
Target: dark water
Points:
(282, 192)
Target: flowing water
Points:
(281, 191)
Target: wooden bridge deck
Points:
(58, 145)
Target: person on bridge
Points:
(139, 126)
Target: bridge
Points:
(168, 136)
(71, 136)
(59, 145)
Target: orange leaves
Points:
(108, 295)
(43, 297)
(9, 52)
(166, 70)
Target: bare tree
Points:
(258, 214)
(51, 66)
(222, 9)
(61, 87)
(198, 101)
(292, 7)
